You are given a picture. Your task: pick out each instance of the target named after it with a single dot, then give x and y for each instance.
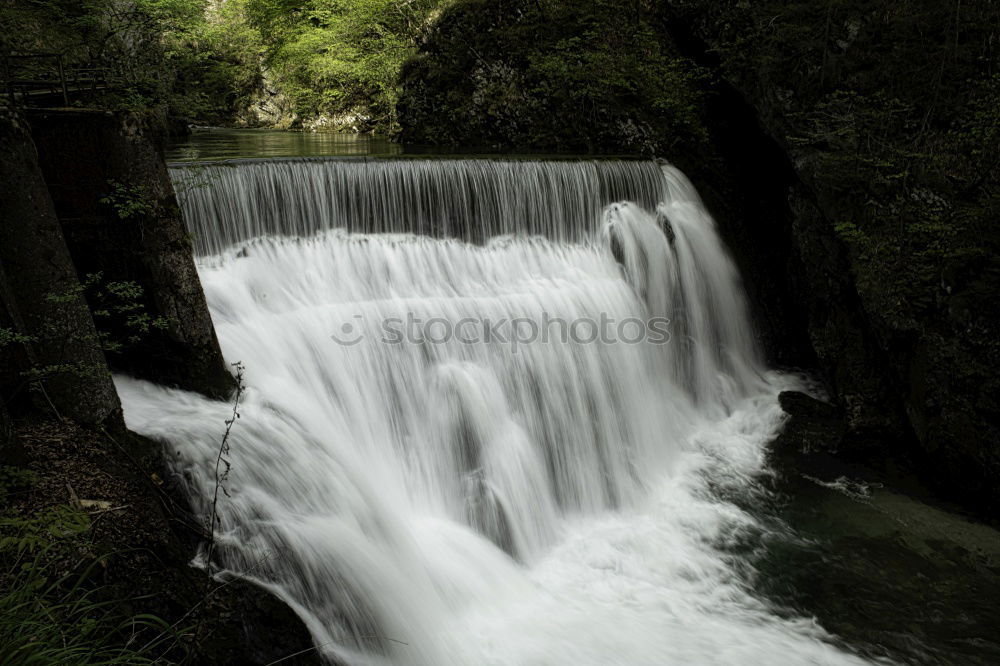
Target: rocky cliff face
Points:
(49, 350)
(849, 151)
(117, 209)
(103, 186)
(888, 113)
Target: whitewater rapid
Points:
(426, 498)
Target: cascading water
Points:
(488, 413)
(229, 202)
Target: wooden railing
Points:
(39, 77)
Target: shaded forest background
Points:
(277, 63)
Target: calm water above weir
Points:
(226, 144)
(555, 503)
(209, 144)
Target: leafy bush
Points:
(592, 75)
(50, 610)
(339, 57)
(50, 622)
(215, 60)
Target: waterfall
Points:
(489, 407)
(228, 202)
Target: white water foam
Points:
(446, 503)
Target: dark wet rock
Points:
(804, 406)
(813, 425)
(118, 211)
(56, 363)
(886, 271)
(147, 539)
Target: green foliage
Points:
(40, 531)
(75, 291)
(118, 307)
(36, 375)
(338, 57)
(20, 535)
(9, 336)
(215, 59)
(118, 38)
(44, 621)
(48, 616)
(120, 316)
(892, 111)
(13, 479)
(594, 75)
(127, 201)
(180, 55)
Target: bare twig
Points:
(223, 466)
(175, 627)
(73, 499)
(315, 648)
(45, 393)
(108, 510)
(299, 653)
